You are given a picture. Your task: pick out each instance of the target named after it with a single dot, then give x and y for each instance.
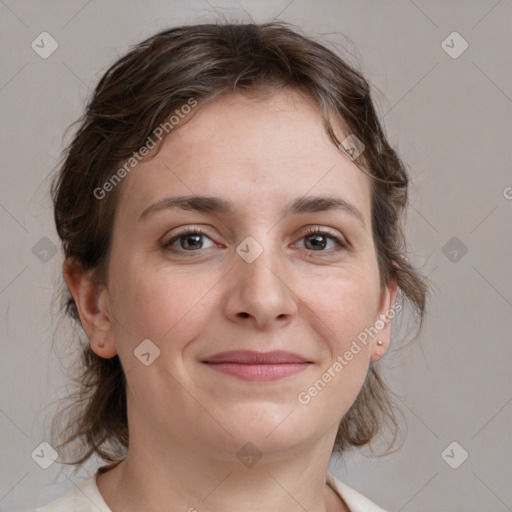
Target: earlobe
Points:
(90, 301)
(383, 322)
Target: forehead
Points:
(252, 151)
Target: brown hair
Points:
(136, 95)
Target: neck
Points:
(152, 477)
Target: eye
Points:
(189, 240)
(318, 240)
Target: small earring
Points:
(379, 342)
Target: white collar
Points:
(355, 501)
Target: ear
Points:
(385, 315)
(91, 301)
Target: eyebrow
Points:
(217, 205)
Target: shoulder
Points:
(355, 501)
(85, 497)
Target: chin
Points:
(269, 429)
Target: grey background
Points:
(450, 120)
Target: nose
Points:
(261, 292)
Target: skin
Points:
(186, 421)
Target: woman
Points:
(230, 214)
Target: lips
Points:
(258, 366)
(253, 357)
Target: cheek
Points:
(160, 306)
(347, 305)
(345, 308)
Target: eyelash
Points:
(342, 245)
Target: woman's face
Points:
(256, 279)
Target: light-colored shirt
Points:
(87, 498)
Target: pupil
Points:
(197, 237)
(315, 238)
